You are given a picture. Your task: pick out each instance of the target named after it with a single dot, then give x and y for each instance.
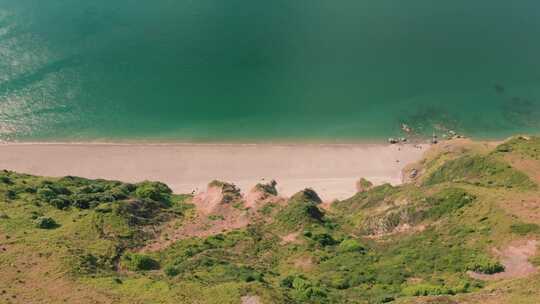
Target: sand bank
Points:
(331, 170)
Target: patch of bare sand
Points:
(251, 300)
(515, 259)
(331, 169)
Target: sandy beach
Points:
(330, 169)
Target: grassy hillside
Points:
(447, 236)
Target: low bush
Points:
(485, 265)
(153, 190)
(426, 290)
(171, 271)
(45, 223)
(350, 245)
(139, 262)
(46, 194)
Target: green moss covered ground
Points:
(73, 240)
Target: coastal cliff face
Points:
(463, 229)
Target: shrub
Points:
(46, 193)
(10, 194)
(60, 203)
(350, 245)
(322, 238)
(153, 190)
(426, 290)
(87, 263)
(171, 271)
(45, 223)
(139, 211)
(485, 265)
(139, 262)
(299, 213)
(307, 195)
(303, 289)
(6, 180)
(363, 185)
(268, 189)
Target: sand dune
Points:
(331, 169)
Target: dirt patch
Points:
(209, 200)
(515, 259)
(251, 300)
(289, 238)
(525, 207)
(304, 263)
(220, 209)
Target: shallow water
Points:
(211, 70)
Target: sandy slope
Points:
(330, 169)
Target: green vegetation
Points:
(483, 264)
(528, 146)
(524, 228)
(479, 170)
(139, 262)
(301, 210)
(386, 244)
(45, 223)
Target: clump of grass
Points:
(216, 217)
(524, 228)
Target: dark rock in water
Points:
(393, 140)
(499, 88)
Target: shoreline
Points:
(330, 169)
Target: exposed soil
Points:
(251, 300)
(289, 238)
(215, 213)
(515, 259)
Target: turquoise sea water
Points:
(213, 70)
